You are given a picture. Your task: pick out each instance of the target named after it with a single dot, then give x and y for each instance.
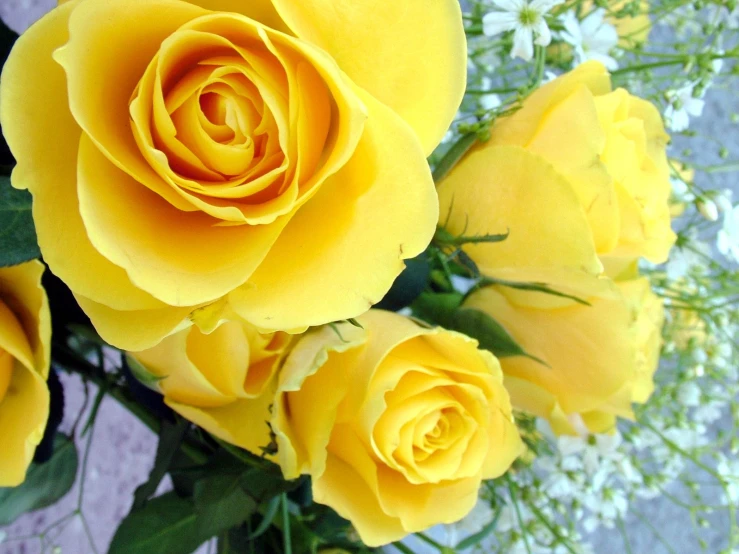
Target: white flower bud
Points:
(707, 209)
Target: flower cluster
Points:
(368, 310)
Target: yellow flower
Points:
(600, 358)
(25, 345)
(578, 174)
(396, 424)
(182, 154)
(631, 29)
(222, 381)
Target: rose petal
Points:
(328, 261)
(398, 52)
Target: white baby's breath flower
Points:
(592, 38)
(682, 107)
(680, 190)
(689, 394)
(491, 100)
(687, 258)
(475, 521)
(727, 239)
(728, 469)
(723, 200)
(525, 18)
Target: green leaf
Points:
(453, 155)
(17, 233)
(445, 309)
(409, 284)
(142, 374)
(7, 38)
(269, 515)
(236, 541)
(165, 525)
(445, 238)
(265, 482)
(478, 537)
(534, 287)
(221, 504)
(170, 438)
(489, 333)
(45, 483)
(437, 308)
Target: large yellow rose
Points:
(396, 424)
(25, 345)
(184, 154)
(223, 381)
(578, 175)
(600, 358)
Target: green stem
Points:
(512, 490)
(286, 538)
(429, 540)
(453, 155)
(403, 548)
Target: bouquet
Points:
(381, 277)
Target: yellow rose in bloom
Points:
(236, 153)
(224, 381)
(396, 424)
(25, 345)
(599, 358)
(578, 174)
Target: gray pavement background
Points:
(122, 449)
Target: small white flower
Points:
(680, 190)
(683, 260)
(488, 101)
(592, 38)
(708, 413)
(689, 394)
(682, 106)
(729, 472)
(476, 520)
(524, 18)
(727, 239)
(723, 200)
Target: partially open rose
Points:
(602, 150)
(396, 424)
(600, 358)
(25, 348)
(265, 156)
(223, 381)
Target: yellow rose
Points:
(396, 424)
(631, 29)
(599, 358)
(241, 153)
(578, 174)
(223, 381)
(25, 346)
